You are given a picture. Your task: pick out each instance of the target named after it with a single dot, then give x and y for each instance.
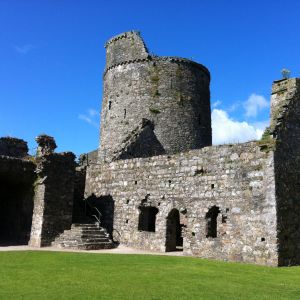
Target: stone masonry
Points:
(151, 100)
(238, 179)
(54, 188)
(13, 147)
(235, 202)
(285, 127)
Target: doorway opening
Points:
(147, 218)
(16, 208)
(174, 239)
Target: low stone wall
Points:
(88, 158)
(238, 180)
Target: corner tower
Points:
(151, 105)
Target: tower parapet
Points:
(125, 47)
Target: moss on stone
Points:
(267, 143)
(154, 110)
(154, 78)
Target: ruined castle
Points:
(156, 182)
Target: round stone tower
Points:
(151, 105)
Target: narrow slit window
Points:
(211, 222)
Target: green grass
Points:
(58, 275)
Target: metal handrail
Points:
(97, 217)
(113, 235)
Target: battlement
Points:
(150, 58)
(123, 35)
(127, 46)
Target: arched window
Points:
(211, 222)
(147, 218)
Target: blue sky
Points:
(52, 59)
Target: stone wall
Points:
(285, 127)
(53, 200)
(13, 147)
(170, 94)
(235, 180)
(88, 158)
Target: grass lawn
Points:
(58, 275)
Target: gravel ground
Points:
(119, 250)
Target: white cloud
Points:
(93, 112)
(216, 104)
(234, 106)
(226, 130)
(24, 49)
(92, 117)
(255, 104)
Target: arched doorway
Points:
(174, 240)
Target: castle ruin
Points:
(156, 182)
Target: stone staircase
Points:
(84, 237)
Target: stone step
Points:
(71, 233)
(83, 231)
(96, 246)
(85, 237)
(85, 246)
(78, 240)
(94, 225)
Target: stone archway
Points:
(174, 240)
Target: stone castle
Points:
(156, 182)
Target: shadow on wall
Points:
(106, 206)
(142, 142)
(16, 207)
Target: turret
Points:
(151, 105)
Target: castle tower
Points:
(283, 91)
(151, 105)
(285, 128)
